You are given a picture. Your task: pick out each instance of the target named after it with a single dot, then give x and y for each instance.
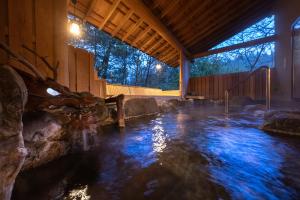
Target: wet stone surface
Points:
(196, 152)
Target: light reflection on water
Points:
(195, 153)
(78, 193)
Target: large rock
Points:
(170, 105)
(45, 139)
(241, 101)
(286, 122)
(13, 97)
(140, 107)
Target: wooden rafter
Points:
(151, 39)
(170, 7)
(228, 32)
(123, 21)
(179, 24)
(141, 35)
(190, 17)
(168, 53)
(132, 29)
(161, 48)
(181, 12)
(112, 10)
(246, 21)
(93, 3)
(152, 46)
(160, 28)
(213, 18)
(209, 28)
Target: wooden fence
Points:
(213, 87)
(82, 75)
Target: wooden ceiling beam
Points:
(231, 28)
(122, 22)
(168, 54)
(161, 48)
(152, 37)
(190, 18)
(227, 32)
(141, 35)
(141, 10)
(166, 51)
(112, 10)
(232, 15)
(170, 7)
(173, 59)
(205, 18)
(132, 29)
(213, 19)
(236, 46)
(90, 9)
(180, 14)
(156, 42)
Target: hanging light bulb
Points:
(75, 28)
(74, 25)
(158, 67)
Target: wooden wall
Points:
(82, 75)
(40, 25)
(213, 87)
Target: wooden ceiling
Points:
(163, 28)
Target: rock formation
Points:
(286, 122)
(13, 97)
(140, 107)
(55, 124)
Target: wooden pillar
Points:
(184, 74)
(60, 40)
(119, 101)
(3, 29)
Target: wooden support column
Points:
(119, 101)
(184, 74)
(60, 41)
(3, 29)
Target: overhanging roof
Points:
(163, 28)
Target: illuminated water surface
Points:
(195, 153)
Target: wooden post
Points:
(120, 110)
(184, 74)
(119, 100)
(60, 40)
(3, 29)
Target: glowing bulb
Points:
(158, 67)
(75, 29)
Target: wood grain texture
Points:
(193, 26)
(213, 87)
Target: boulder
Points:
(241, 101)
(45, 138)
(54, 125)
(287, 122)
(170, 105)
(13, 97)
(256, 110)
(140, 107)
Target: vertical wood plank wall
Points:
(34, 24)
(82, 75)
(213, 87)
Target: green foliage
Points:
(120, 63)
(244, 59)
